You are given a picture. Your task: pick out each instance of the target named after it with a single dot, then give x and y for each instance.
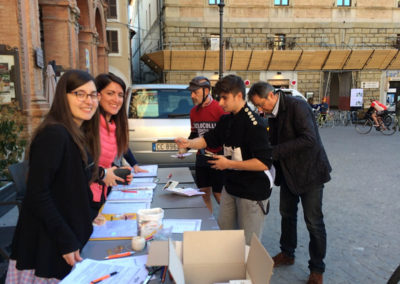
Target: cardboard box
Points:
(207, 257)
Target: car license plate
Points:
(164, 146)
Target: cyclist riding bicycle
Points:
(377, 109)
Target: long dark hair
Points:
(87, 135)
(120, 119)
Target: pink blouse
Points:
(108, 152)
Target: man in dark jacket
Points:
(302, 169)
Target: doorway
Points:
(395, 85)
(337, 89)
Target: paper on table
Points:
(89, 270)
(181, 155)
(137, 186)
(115, 229)
(152, 171)
(131, 261)
(124, 207)
(145, 195)
(185, 191)
(142, 179)
(182, 225)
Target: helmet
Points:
(199, 82)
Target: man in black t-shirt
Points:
(246, 160)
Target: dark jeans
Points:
(312, 208)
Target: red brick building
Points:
(32, 33)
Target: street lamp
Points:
(221, 5)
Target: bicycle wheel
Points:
(387, 120)
(390, 126)
(363, 126)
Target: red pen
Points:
(129, 191)
(118, 255)
(103, 277)
(164, 274)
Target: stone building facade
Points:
(319, 47)
(119, 30)
(68, 33)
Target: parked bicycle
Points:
(325, 120)
(387, 124)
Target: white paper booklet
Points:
(135, 186)
(188, 191)
(182, 225)
(130, 195)
(115, 229)
(143, 179)
(89, 270)
(124, 207)
(152, 171)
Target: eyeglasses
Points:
(82, 95)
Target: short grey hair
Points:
(261, 89)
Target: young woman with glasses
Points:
(55, 221)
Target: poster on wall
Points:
(4, 78)
(7, 92)
(356, 97)
(8, 75)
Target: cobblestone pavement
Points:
(361, 205)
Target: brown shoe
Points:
(315, 278)
(282, 259)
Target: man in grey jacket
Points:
(302, 168)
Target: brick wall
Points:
(8, 23)
(310, 82)
(369, 76)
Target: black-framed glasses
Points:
(82, 95)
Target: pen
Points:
(118, 255)
(164, 274)
(131, 191)
(170, 176)
(104, 277)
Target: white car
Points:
(158, 113)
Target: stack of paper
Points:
(124, 207)
(185, 191)
(136, 186)
(118, 229)
(182, 225)
(145, 195)
(129, 270)
(151, 171)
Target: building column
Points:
(60, 31)
(102, 59)
(86, 50)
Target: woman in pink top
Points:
(113, 134)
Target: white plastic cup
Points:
(149, 221)
(138, 243)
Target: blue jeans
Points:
(312, 208)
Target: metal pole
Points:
(221, 38)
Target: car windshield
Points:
(159, 103)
